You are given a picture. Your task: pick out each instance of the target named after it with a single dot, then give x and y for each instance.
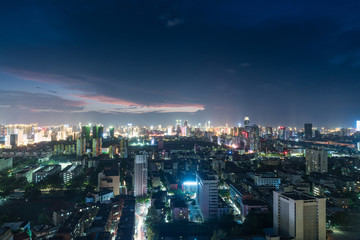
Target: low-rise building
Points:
(70, 172)
(43, 172)
(180, 211)
(6, 163)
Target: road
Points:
(343, 235)
(140, 213)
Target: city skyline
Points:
(132, 61)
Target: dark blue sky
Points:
(149, 62)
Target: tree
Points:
(32, 191)
(43, 218)
(53, 181)
(8, 184)
(214, 236)
(221, 234)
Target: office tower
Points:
(207, 195)
(111, 132)
(96, 147)
(308, 130)
(247, 124)
(140, 176)
(80, 146)
(299, 216)
(316, 161)
(358, 126)
(85, 132)
(13, 140)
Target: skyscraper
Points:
(299, 216)
(308, 130)
(316, 161)
(140, 176)
(358, 126)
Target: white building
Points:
(316, 161)
(207, 195)
(140, 176)
(299, 216)
(267, 179)
(70, 172)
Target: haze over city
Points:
(279, 62)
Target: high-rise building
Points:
(96, 147)
(268, 132)
(316, 161)
(282, 133)
(80, 146)
(299, 216)
(111, 132)
(247, 124)
(207, 195)
(308, 130)
(13, 140)
(358, 126)
(140, 176)
(98, 131)
(85, 132)
(123, 148)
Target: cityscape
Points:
(179, 120)
(217, 182)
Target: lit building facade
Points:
(207, 195)
(299, 216)
(316, 161)
(140, 176)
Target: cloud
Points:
(35, 102)
(174, 22)
(245, 64)
(122, 106)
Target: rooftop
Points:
(299, 196)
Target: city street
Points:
(343, 235)
(140, 213)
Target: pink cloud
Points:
(117, 101)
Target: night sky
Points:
(152, 62)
